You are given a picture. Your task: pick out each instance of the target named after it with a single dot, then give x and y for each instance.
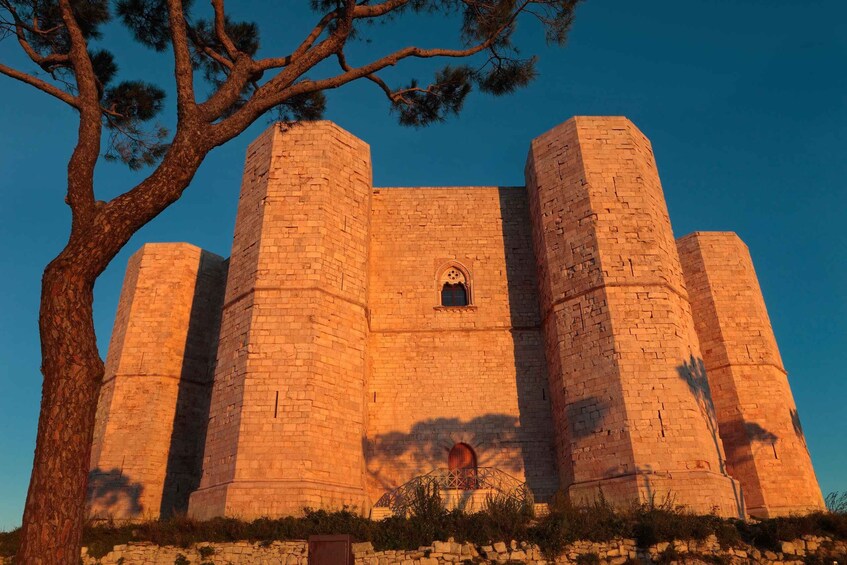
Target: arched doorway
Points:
(462, 464)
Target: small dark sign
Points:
(330, 550)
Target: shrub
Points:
(507, 508)
(568, 522)
(653, 524)
(836, 502)
(502, 519)
(9, 542)
(426, 503)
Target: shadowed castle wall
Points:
(151, 418)
(759, 425)
(287, 418)
(445, 375)
(631, 419)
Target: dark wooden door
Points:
(462, 464)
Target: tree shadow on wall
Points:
(737, 436)
(396, 457)
(798, 427)
(111, 494)
(693, 372)
(586, 417)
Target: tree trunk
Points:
(54, 515)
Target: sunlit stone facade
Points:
(554, 336)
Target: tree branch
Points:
(41, 85)
(305, 45)
(276, 91)
(241, 73)
(80, 196)
(353, 10)
(183, 71)
(342, 62)
(208, 51)
(376, 10)
(46, 62)
(220, 29)
(128, 212)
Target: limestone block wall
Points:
(447, 375)
(759, 425)
(633, 418)
(616, 551)
(287, 420)
(151, 417)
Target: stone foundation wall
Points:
(614, 552)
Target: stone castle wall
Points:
(446, 375)
(580, 362)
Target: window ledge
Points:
(470, 307)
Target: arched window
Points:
(454, 288)
(454, 295)
(462, 464)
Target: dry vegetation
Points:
(504, 519)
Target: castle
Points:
(548, 337)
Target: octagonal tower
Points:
(633, 413)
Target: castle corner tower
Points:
(759, 425)
(287, 418)
(632, 414)
(154, 401)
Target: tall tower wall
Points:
(759, 425)
(633, 417)
(154, 402)
(287, 420)
(443, 375)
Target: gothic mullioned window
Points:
(454, 295)
(454, 287)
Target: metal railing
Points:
(488, 478)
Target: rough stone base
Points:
(701, 492)
(615, 552)
(273, 499)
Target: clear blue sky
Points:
(745, 102)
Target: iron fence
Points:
(488, 478)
